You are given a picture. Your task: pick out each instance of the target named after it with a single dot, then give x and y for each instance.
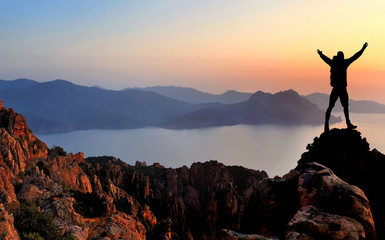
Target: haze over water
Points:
(275, 149)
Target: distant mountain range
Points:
(191, 95)
(286, 108)
(6, 85)
(63, 106)
(60, 106)
(356, 106)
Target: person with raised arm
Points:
(338, 80)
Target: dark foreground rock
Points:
(50, 194)
(349, 156)
(314, 223)
(310, 201)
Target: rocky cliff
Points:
(349, 156)
(50, 194)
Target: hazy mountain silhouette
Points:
(191, 95)
(6, 85)
(284, 108)
(63, 106)
(60, 106)
(356, 106)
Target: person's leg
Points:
(332, 100)
(344, 98)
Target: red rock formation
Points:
(203, 199)
(123, 201)
(38, 186)
(97, 185)
(149, 219)
(123, 226)
(67, 171)
(7, 189)
(63, 211)
(12, 153)
(7, 229)
(20, 150)
(18, 146)
(17, 128)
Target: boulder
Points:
(320, 187)
(319, 225)
(62, 209)
(122, 226)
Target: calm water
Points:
(275, 149)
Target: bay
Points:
(274, 149)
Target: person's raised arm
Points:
(323, 57)
(358, 54)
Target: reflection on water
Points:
(275, 149)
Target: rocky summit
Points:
(46, 193)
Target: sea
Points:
(272, 148)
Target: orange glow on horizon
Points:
(240, 45)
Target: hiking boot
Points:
(351, 126)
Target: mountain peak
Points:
(16, 84)
(260, 93)
(192, 95)
(286, 93)
(15, 132)
(61, 81)
(337, 149)
(231, 91)
(289, 92)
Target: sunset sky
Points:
(209, 45)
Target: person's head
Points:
(340, 55)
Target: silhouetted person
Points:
(338, 69)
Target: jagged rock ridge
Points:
(105, 198)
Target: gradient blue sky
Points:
(209, 45)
